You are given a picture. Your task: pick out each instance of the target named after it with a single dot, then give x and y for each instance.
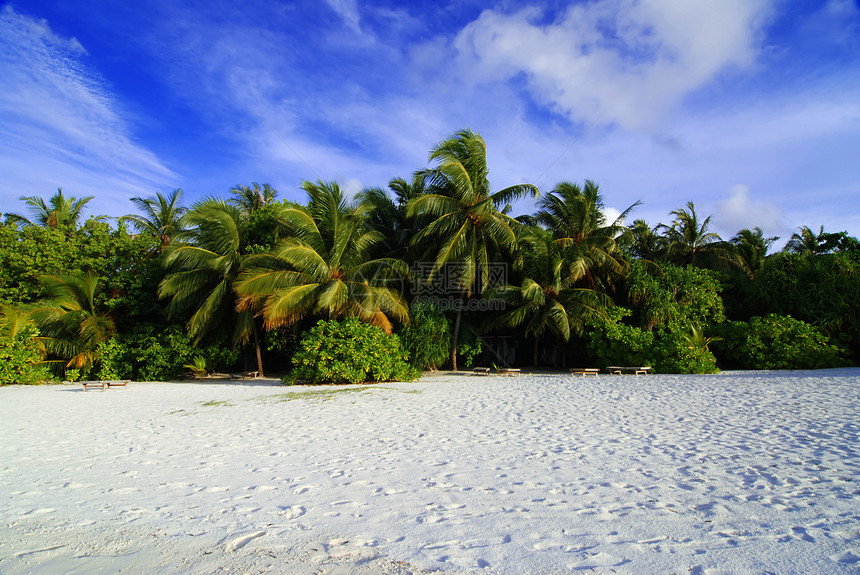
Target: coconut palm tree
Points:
(751, 249)
(389, 216)
(546, 299)
(70, 325)
(576, 218)
(57, 212)
(468, 224)
(688, 241)
(805, 241)
(161, 217)
(202, 272)
(253, 198)
(326, 269)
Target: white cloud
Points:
(739, 211)
(348, 11)
(629, 60)
(57, 115)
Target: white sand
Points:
(732, 473)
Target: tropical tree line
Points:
(250, 273)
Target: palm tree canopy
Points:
(576, 218)
(688, 241)
(201, 273)
(805, 241)
(326, 268)
(751, 247)
(467, 219)
(57, 212)
(70, 325)
(161, 217)
(253, 198)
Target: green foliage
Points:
(668, 349)
(822, 290)
(776, 342)
(197, 366)
(427, 338)
(21, 359)
(611, 342)
(151, 353)
(678, 297)
(349, 351)
(469, 348)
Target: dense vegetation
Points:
(433, 272)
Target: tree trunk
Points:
(455, 339)
(257, 348)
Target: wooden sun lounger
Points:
(106, 384)
(509, 371)
(481, 371)
(245, 375)
(617, 370)
(583, 371)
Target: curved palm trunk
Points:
(455, 339)
(257, 348)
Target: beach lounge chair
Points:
(617, 370)
(509, 371)
(583, 371)
(481, 371)
(117, 383)
(89, 384)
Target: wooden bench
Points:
(106, 384)
(509, 371)
(617, 370)
(583, 371)
(481, 371)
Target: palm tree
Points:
(751, 249)
(466, 218)
(805, 242)
(202, 273)
(643, 241)
(389, 216)
(71, 327)
(575, 217)
(57, 212)
(546, 299)
(688, 241)
(161, 217)
(326, 268)
(251, 199)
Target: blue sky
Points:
(750, 109)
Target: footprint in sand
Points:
(292, 511)
(240, 542)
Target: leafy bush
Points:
(153, 354)
(611, 342)
(349, 351)
(776, 342)
(21, 360)
(427, 338)
(669, 349)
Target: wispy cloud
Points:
(60, 126)
(630, 60)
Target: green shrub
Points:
(611, 342)
(157, 354)
(21, 360)
(349, 351)
(427, 338)
(776, 342)
(669, 349)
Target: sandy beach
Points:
(729, 473)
